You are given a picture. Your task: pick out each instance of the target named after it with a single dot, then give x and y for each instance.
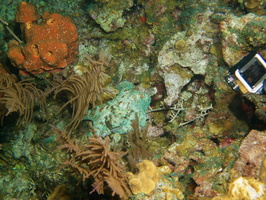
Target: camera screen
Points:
(254, 73)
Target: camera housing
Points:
(248, 75)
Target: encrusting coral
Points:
(251, 152)
(247, 187)
(50, 44)
(145, 180)
(253, 186)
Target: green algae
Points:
(255, 33)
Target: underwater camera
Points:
(248, 75)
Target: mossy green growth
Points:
(186, 18)
(157, 146)
(255, 32)
(20, 167)
(110, 15)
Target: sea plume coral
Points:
(105, 166)
(137, 150)
(98, 161)
(82, 92)
(18, 97)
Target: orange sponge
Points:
(50, 46)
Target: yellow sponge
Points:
(243, 188)
(145, 180)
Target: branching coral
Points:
(98, 161)
(137, 149)
(104, 166)
(82, 91)
(18, 97)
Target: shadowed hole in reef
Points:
(7, 127)
(244, 110)
(190, 185)
(215, 140)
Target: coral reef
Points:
(24, 153)
(250, 34)
(249, 167)
(168, 60)
(201, 160)
(109, 15)
(184, 55)
(98, 161)
(50, 45)
(246, 187)
(145, 180)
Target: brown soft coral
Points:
(97, 161)
(50, 44)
